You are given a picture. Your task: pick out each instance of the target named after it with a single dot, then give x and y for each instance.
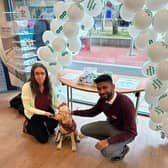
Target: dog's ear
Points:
(64, 108)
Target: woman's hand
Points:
(48, 114)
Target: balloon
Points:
(149, 69)
(143, 39)
(54, 79)
(165, 127)
(56, 27)
(92, 7)
(75, 12)
(74, 44)
(60, 10)
(160, 22)
(65, 58)
(59, 44)
(133, 5)
(151, 100)
(157, 51)
(154, 126)
(116, 2)
(163, 102)
(166, 37)
(156, 87)
(156, 114)
(155, 4)
(46, 53)
(126, 14)
(162, 70)
(142, 19)
(61, 98)
(71, 29)
(133, 32)
(86, 23)
(48, 37)
(54, 67)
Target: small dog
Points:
(67, 127)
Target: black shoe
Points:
(51, 132)
(125, 151)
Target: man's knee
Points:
(84, 130)
(112, 151)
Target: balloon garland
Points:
(149, 28)
(62, 41)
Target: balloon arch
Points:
(149, 28)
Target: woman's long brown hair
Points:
(34, 85)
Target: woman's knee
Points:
(42, 139)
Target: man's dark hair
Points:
(103, 78)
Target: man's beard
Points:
(107, 96)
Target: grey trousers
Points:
(102, 130)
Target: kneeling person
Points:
(120, 127)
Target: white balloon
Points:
(126, 14)
(74, 44)
(162, 70)
(165, 126)
(54, 67)
(156, 114)
(144, 38)
(56, 27)
(61, 98)
(54, 79)
(71, 29)
(160, 22)
(151, 100)
(154, 126)
(65, 58)
(166, 37)
(75, 12)
(78, 1)
(134, 5)
(157, 51)
(142, 19)
(116, 2)
(149, 69)
(46, 53)
(163, 102)
(155, 4)
(92, 7)
(133, 32)
(86, 23)
(48, 37)
(60, 10)
(156, 87)
(59, 44)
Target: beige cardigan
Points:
(28, 99)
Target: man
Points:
(120, 127)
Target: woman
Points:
(39, 101)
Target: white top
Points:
(28, 99)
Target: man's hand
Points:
(102, 144)
(48, 114)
